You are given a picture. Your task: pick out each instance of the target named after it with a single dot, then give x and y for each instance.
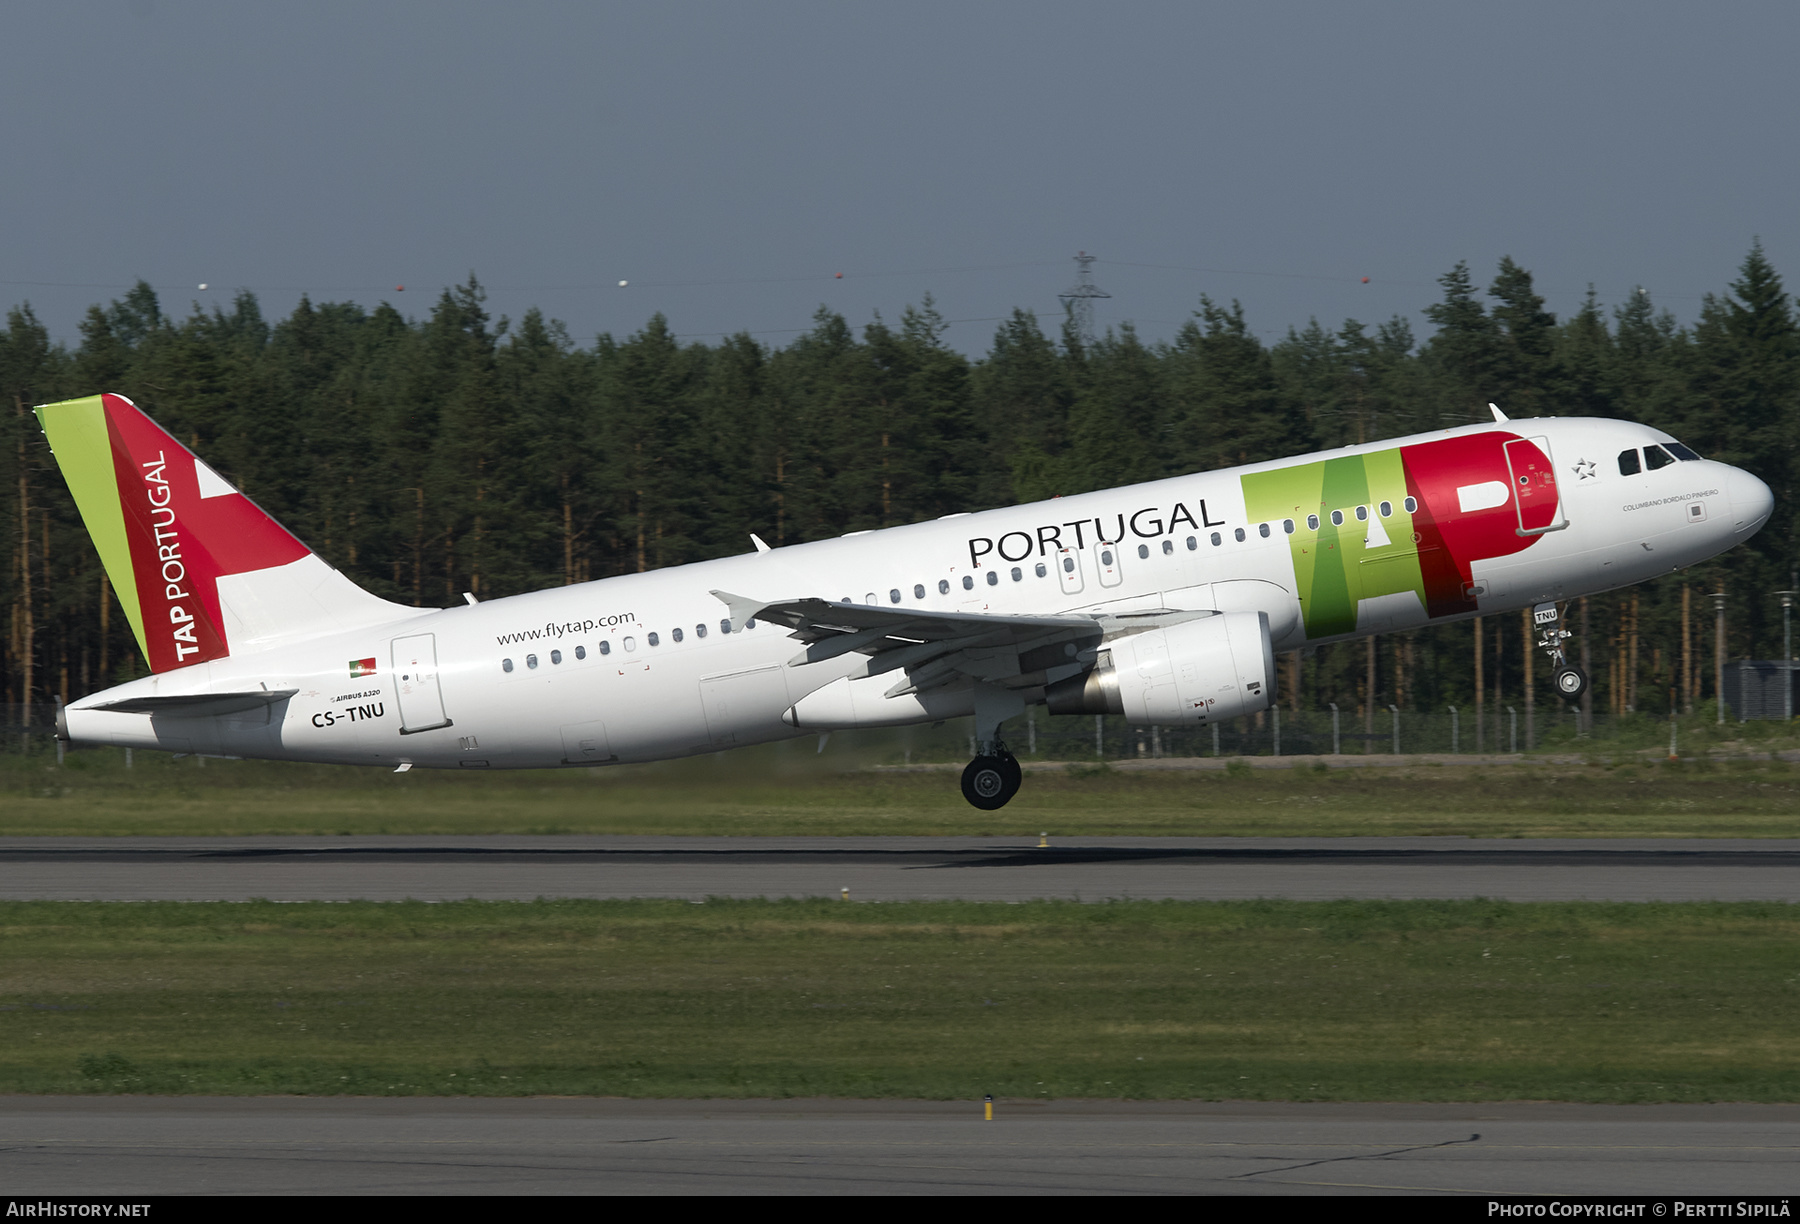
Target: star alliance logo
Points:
(1584, 468)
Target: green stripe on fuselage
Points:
(1335, 567)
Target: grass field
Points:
(1266, 1000)
(787, 790)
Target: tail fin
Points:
(200, 570)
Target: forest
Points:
(458, 452)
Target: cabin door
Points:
(1534, 486)
(416, 684)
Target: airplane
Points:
(1164, 602)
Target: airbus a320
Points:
(1164, 603)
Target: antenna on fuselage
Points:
(1498, 415)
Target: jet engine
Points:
(1198, 671)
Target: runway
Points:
(97, 1146)
(393, 868)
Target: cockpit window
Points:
(1628, 463)
(1656, 457)
(1680, 451)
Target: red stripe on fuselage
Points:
(1450, 538)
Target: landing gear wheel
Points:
(988, 783)
(1571, 682)
(1015, 774)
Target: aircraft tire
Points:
(988, 784)
(1571, 682)
(1015, 774)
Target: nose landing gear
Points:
(1569, 680)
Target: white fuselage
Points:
(641, 667)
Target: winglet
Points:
(1498, 415)
(741, 609)
(758, 541)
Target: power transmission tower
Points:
(1078, 300)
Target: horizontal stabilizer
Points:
(199, 705)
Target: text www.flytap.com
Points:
(556, 630)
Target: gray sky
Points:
(729, 159)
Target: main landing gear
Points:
(1569, 680)
(992, 779)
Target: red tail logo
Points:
(187, 529)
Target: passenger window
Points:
(1362, 514)
(1215, 539)
(605, 647)
(943, 586)
(751, 623)
(894, 595)
(1239, 533)
(1411, 504)
(1680, 451)
(918, 590)
(1262, 529)
(1287, 525)
(1628, 463)
(1018, 574)
(968, 582)
(1041, 570)
(1337, 518)
(724, 627)
(1168, 547)
(1068, 565)
(1312, 522)
(1387, 509)
(1655, 457)
(1143, 552)
(699, 630)
(630, 644)
(581, 652)
(653, 639)
(1106, 557)
(530, 660)
(871, 599)
(993, 577)
(1192, 543)
(556, 656)
(506, 665)
(676, 634)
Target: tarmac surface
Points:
(444, 868)
(95, 1146)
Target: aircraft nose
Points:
(1751, 501)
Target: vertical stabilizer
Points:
(200, 570)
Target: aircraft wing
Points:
(935, 648)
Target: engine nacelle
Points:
(1199, 671)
